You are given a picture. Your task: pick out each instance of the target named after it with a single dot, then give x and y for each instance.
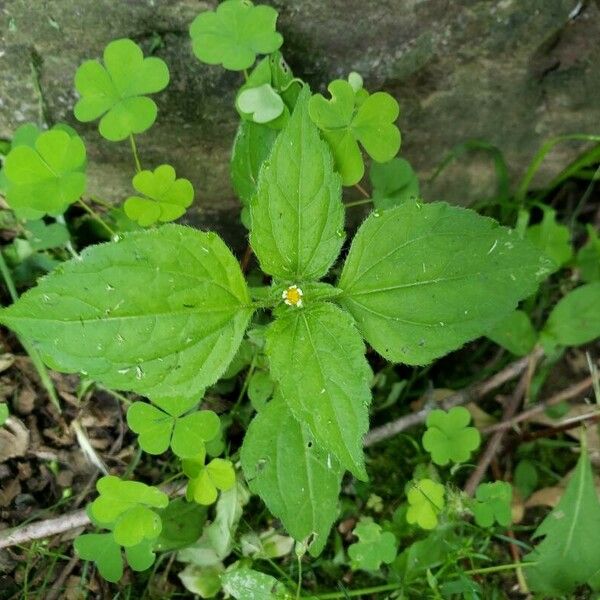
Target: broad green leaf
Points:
(206, 480)
(575, 319)
(44, 237)
(47, 177)
(449, 437)
(117, 497)
(493, 504)
(297, 212)
(234, 34)
(157, 429)
(423, 279)
(263, 103)
(373, 548)
(568, 556)
(260, 389)
(251, 147)
(246, 584)
(116, 90)
(104, 551)
(298, 480)
(349, 118)
(317, 358)
(525, 477)
(551, 238)
(165, 197)
(515, 333)
(426, 502)
(393, 182)
(160, 312)
(203, 581)
(588, 257)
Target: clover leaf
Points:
(426, 502)
(158, 429)
(448, 436)
(127, 506)
(263, 103)
(116, 90)
(106, 553)
(206, 480)
(373, 547)
(493, 503)
(351, 117)
(588, 257)
(165, 197)
(234, 34)
(393, 183)
(45, 173)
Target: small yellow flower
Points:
(293, 296)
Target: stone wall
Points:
(510, 72)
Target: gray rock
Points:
(509, 72)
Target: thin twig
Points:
(469, 394)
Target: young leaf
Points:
(251, 147)
(260, 389)
(423, 279)
(373, 548)
(298, 480)
(345, 122)
(165, 197)
(317, 357)
(104, 551)
(448, 436)
(160, 312)
(393, 182)
(297, 212)
(246, 584)
(116, 90)
(206, 480)
(263, 103)
(575, 319)
(568, 556)
(588, 258)
(158, 430)
(493, 503)
(47, 177)
(551, 238)
(234, 34)
(426, 501)
(515, 333)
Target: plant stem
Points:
(389, 587)
(36, 360)
(358, 202)
(101, 202)
(68, 245)
(245, 74)
(499, 568)
(97, 218)
(134, 150)
(299, 586)
(362, 190)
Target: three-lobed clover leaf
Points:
(206, 480)
(106, 553)
(493, 503)
(127, 506)
(426, 501)
(165, 198)
(349, 118)
(45, 173)
(234, 34)
(263, 103)
(374, 546)
(449, 437)
(159, 428)
(116, 90)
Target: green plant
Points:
(167, 312)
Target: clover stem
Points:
(246, 74)
(101, 202)
(134, 150)
(299, 586)
(362, 190)
(358, 203)
(68, 245)
(97, 218)
(36, 360)
(389, 587)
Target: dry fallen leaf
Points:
(14, 439)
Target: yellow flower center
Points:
(293, 296)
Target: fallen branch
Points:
(469, 394)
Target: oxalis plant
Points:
(164, 310)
